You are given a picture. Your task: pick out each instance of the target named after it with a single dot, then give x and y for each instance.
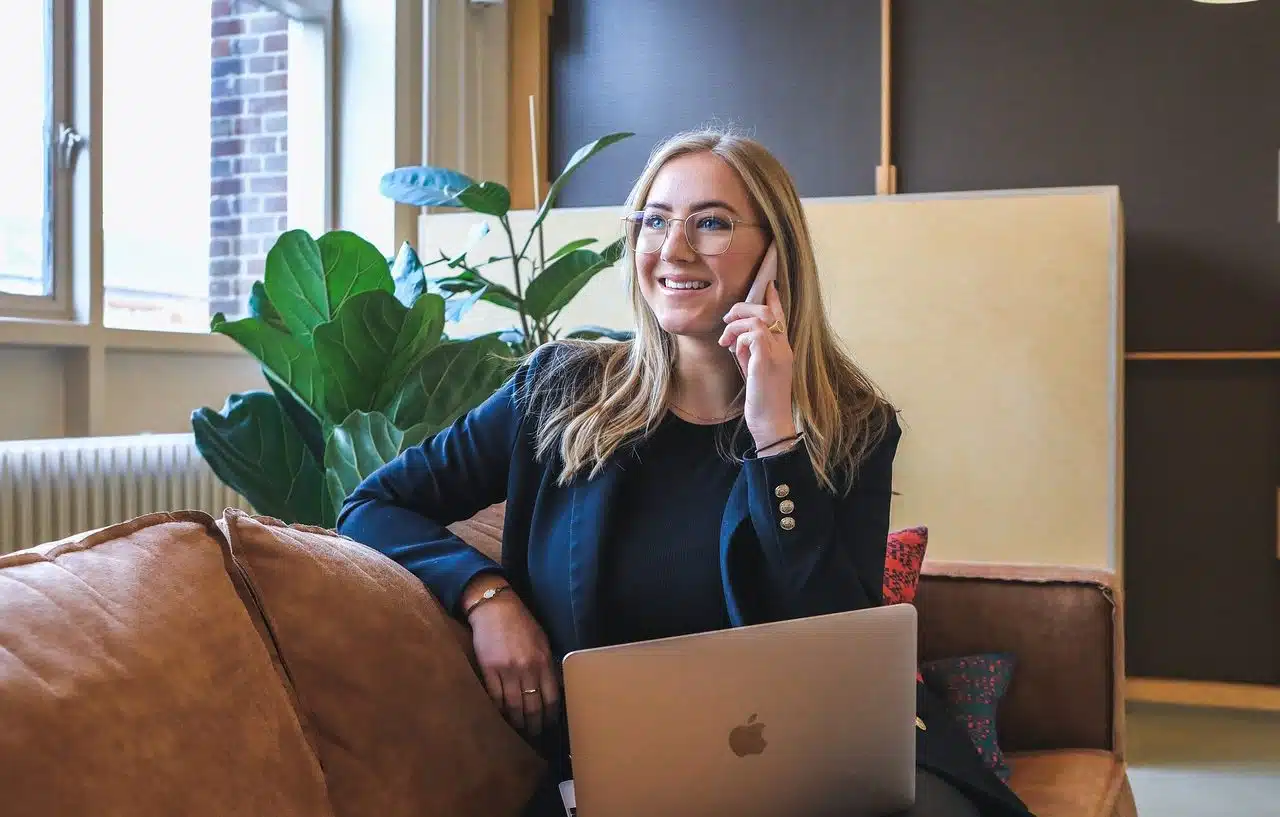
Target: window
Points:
(214, 143)
(36, 144)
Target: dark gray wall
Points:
(1179, 104)
(1176, 102)
(801, 76)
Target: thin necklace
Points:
(685, 411)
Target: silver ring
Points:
(534, 691)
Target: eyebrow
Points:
(701, 205)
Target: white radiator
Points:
(51, 489)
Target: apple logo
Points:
(748, 738)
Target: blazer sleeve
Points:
(823, 552)
(402, 509)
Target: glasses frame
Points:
(684, 226)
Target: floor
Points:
(1190, 762)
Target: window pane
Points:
(197, 167)
(25, 212)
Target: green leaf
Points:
(303, 418)
(575, 161)
(489, 198)
(280, 353)
(307, 281)
(252, 448)
(477, 232)
(456, 377)
(260, 307)
(457, 308)
(424, 186)
(555, 287)
(408, 275)
(570, 247)
(367, 351)
(356, 448)
(352, 265)
(471, 281)
(597, 332)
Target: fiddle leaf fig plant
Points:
(357, 368)
(354, 350)
(542, 285)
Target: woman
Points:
(629, 469)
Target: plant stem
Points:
(515, 268)
(542, 264)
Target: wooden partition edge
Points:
(886, 173)
(1260, 354)
(529, 23)
(1219, 695)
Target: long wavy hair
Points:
(593, 398)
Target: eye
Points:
(653, 221)
(711, 223)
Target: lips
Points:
(682, 285)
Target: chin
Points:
(698, 326)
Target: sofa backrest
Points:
(1063, 627)
(134, 679)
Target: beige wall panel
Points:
(155, 392)
(31, 405)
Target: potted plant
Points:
(354, 351)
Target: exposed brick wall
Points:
(249, 155)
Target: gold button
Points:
(920, 725)
(787, 523)
(782, 490)
(786, 506)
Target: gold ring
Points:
(529, 691)
(777, 328)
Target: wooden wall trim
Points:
(1252, 697)
(529, 24)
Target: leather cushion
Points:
(403, 724)
(1068, 782)
(133, 682)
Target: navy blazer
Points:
(830, 560)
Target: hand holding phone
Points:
(767, 274)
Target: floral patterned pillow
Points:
(973, 686)
(903, 558)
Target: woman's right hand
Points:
(514, 657)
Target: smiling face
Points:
(690, 291)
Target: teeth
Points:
(669, 284)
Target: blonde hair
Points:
(594, 398)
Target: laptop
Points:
(812, 717)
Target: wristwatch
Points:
(487, 595)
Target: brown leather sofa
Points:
(177, 664)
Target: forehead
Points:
(689, 181)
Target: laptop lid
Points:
(809, 717)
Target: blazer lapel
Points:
(588, 526)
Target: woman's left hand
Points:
(765, 355)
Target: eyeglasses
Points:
(708, 232)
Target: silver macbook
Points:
(812, 717)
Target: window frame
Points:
(57, 208)
(72, 315)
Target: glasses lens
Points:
(646, 231)
(710, 233)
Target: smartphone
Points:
(767, 273)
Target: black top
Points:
(660, 567)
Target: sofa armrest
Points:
(1064, 627)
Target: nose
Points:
(676, 246)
